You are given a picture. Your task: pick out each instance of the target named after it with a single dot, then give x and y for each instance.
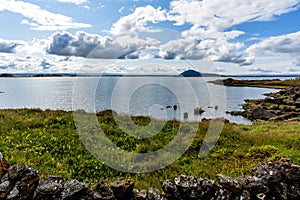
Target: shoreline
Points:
(40, 75)
(265, 83)
(279, 106)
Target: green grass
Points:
(49, 142)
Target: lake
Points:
(147, 96)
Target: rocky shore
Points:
(273, 180)
(265, 83)
(279, 106)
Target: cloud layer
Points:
(217, 15)
(208, 49)
(39, 19)
(85, 45)
(206, 33)
(138, 20)
(209, 36)
(9, 46)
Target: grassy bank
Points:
(48, 142)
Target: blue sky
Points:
(150, 36)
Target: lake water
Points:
(148, 96)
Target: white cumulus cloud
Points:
(10, 46)
(211, 21)
(283, 45)
(83, 44)
(219, 14)
(209, 36)
(38, 18)
(211, 49)
(137, 21)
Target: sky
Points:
(150, 36)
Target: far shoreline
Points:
(39, 75)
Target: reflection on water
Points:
(154, 96)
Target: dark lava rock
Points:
(19, 183)
(272, 180)
(103, 192)
(17, 171)
(73, 189)
(274, 107)
(206, 188)
(297, 103)
(122, 188)
(140, 194)
(189, 187)
(279, 106)
(282, 179)
(3, 165)
(170, 189)
(243, 187)
(50, 189)
(261, 113)
(285, 116)
(229, 183)
(5, 188)
(154, 194)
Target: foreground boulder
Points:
(50, 189)
(273, 180)
(19, 182)
(3, 165)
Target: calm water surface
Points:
(149, 96)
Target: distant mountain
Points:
(193, 73)
(190, 73)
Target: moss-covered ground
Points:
(48, 141)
